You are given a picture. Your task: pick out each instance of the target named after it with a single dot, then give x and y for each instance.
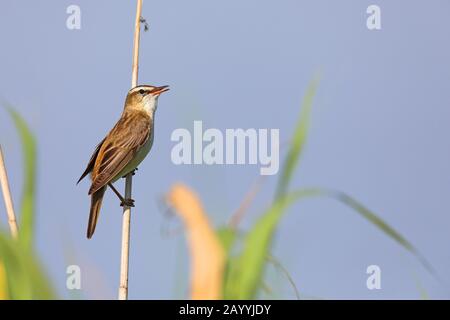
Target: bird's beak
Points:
(158, 90)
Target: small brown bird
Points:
(123, 149)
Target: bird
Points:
(123, 148)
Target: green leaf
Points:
(298, 140)
(227, 237)
(277, 264)
(26, 228)
(17, 277)
(246, 270)
(376, 221)
(24, 275)
(244, 273)
(422, 291)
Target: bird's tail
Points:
(96, 204)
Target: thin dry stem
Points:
(137, 31)
(237, 217)
(124, 259)
(7, 197)
(126, 218)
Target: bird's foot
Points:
(127, 203)
(132, 173)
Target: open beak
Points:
(158, 90)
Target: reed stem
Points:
(7, 197)
(126, 218)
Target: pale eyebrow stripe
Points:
(140, 87)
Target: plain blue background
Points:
(379, 132)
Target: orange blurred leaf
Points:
(3, 283)
(206, 251)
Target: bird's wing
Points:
(119, 148)
(91, 163)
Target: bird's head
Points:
(144, 97)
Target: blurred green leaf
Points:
(26, 228)
(24, 275)
(227, 237)
(279, 266)
(375, 220)
(298, 140)
(19, 286)
(422, 291)
(246, 270)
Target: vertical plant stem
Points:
(126, 218)
(236, 218)
(7, 197)
(124, 260)
(137, 32)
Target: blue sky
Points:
(379, 132)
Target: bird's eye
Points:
(141, 91)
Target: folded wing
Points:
(119, 148)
